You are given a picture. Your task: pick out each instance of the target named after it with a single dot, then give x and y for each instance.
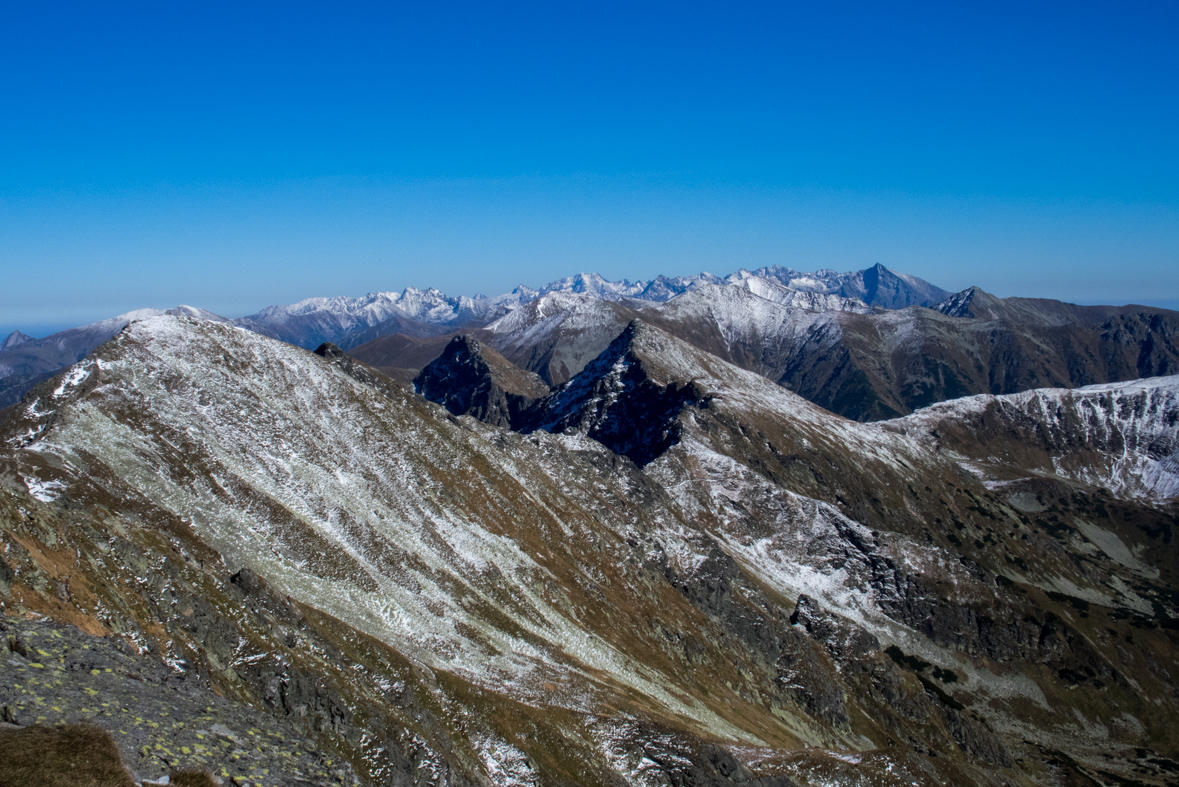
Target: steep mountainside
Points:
(745, 590)
(889, 363)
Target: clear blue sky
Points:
(236, 155)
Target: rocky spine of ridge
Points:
(620, 401)
(977, 304)
(471, 378)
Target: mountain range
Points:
(775, 529)
(866, 344)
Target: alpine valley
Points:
(768, 529)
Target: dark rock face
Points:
(470, 378)
(618, 401)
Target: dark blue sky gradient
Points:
(233, 158)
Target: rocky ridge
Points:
(471, 379)
(747, 590)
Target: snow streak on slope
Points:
(771, 290)
(527, 325)
(1124, 436)
(745, 317)
(406, 526)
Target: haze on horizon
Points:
(234, 158)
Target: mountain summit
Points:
(471, 378)
(15, 339)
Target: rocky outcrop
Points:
(163, 717)
(470, 378)
(361, 372)
(620, 401)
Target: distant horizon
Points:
(41, 330)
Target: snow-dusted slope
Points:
(557, 334)
(594, 285)
(775, 592)
(332, 492)
(875, 286)
(739, 325)
(24, 363)
(1122, 436)
(313, 321)
(350, 321)
(808, 300)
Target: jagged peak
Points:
(470, 378)
(627, 398)
(485, 360)
(960, 303)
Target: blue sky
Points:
(233, 157)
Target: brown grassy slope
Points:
(77, 755)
